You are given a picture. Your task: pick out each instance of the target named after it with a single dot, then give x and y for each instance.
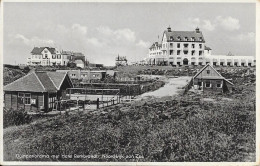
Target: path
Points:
(172, 87)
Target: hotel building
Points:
(189, 48)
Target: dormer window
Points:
(179, 38)
(193, 39)
(200, 38)
(171, 38)
(186, 38)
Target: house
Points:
(47, 56)
(208, 79)
(189, 48)
(37, 91)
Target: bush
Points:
(16, 117)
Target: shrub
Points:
(16, 117)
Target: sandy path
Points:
(172, 87)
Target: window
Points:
(45, 51)
(171, 45)
(46, 56)
(185, 52)
(193, 39)
(58, 56)
(208, 71)
(186, 45)
(178, 45)
(54, 56)
(24, 98)
(200, 38)
(200, 45)
(200, 52)
(179, 38)
(73, 75)
(192, 52)
(171, 52)
(199, 83)
(193, 45)
(219, 85)
(171, 38)
(186, 38)
(207, 84)
(178, 52)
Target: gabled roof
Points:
(38, 82)
(156, 44)
(205, 68)
(175, 35)
(207, 48)
(38, 50)
(219, 75)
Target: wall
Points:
(11, 101)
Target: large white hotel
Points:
(188, 48)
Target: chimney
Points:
(197, 30)
(169, 29)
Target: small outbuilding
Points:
(37, 91)
(209, 79)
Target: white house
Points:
(48, 56)
(188, 48)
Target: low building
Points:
(208, 79)
(37, 91)
(85, 75)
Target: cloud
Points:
(207, 25)
(105, 30)
(144, 44)
(228, 23)
(33, 41)
(120, 34)
(79, 28)
(94, 42)
(250, 36)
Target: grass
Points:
(175, 130)
(179, 128)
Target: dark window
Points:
(208, 71)
(192, 52)
(193, 45)
(53, 56)
(200, 52)
(178, 52)
(171, 52)
(219, 85)
(186, 45)
(24, 98)
(200, 45)
(207, 84)
(178, 45)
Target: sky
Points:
(101, 31)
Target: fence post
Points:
(97, 103)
